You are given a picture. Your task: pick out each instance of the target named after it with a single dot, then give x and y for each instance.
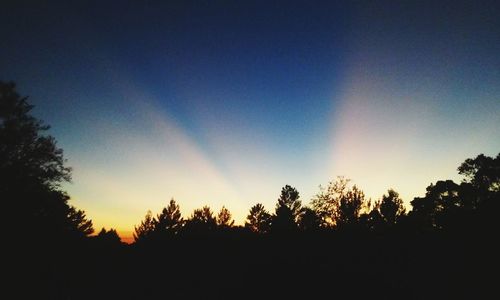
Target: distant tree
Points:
(169, 221)
(480, 191)
(79, 221)
(340, 205)
(201, 221)
(145, 230)
(309, 221)
(391, 207)
(32, 169)
(283, 220)
(110, 237)
(288, 210)
(439, 208)
(224, 218)
(289, 198)
(27, 155)
(385, 213)
(351, 206)
(474, 202)
(258, 219)
(482, 172)
(373, 221)
(326, 203)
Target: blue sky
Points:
(225, 102)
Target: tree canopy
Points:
(258, 219)
(224, 218)
(169, 221)
(32, 169)
(287, 211)
(339, 204)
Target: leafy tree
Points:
(309, 221)
(351, 205)
(146, 229)
(439, 207)
(32, 169)
(289, 198)
(258, 219)
(283, 220)
(326, 203)
(27, 155)
(288, 210)
(385, 213)
(109, 237)
(78, 221)
(169, 221)
(201, 221)
(373, 220)
(340, 205)
(448, 205)
(480, 191)
(391, 207)
(224, 218)
(482, 172)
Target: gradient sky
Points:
(225, 102)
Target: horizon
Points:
(224, 103)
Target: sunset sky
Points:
(224, 102)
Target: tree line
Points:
(447, 206)
(341, 244)
(32, 169)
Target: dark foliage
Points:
(287, 212)
(146, 229)
(341, 206)
(108, 238)
(309, 220)
(31, 172)
(258, 219)
(224, 218)
(170, 221)
(201, 223)
(482, 172)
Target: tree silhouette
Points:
(391, 207)
(373, 220)
(258, 219)
(26, 153)
(440, 206)
(385, 213)
(79, 221)
(109, 237)
(289, 198)
(326, 203)
(480, 190)
(340, 205)
(145, 230)
(309, 221)
(224, 218)
(31, 172)
(202, 221)
(169, 221)
(351, 205)
(482, 172)
(288, 210)
(448, 205)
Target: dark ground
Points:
(333, 265)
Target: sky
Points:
(225, 102)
